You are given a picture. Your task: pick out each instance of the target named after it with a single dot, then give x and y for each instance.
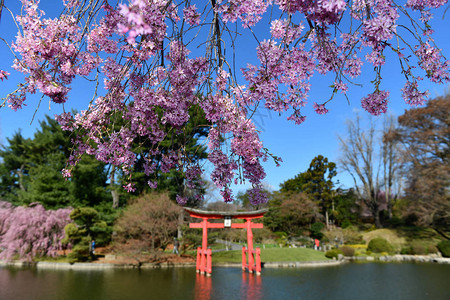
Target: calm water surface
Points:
(350, 281)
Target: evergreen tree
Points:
(316, 182)
(14, 169)
(319, 184)
(31, 171)
(188, 140)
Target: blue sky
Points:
(296, 144)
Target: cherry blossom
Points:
(31, 231)
(3, 75)
(153, 60)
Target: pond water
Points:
(350, 281)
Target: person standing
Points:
(316, 244)
(176, 244)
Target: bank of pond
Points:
(374, 280)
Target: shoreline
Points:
(296, 264)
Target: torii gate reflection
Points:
(253, 263)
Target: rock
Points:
(110, 257)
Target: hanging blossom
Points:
(412, 95)
(257, 195)
(191, 15)
(138, 53)
(3, 75)
(376, 103)
(320, 108)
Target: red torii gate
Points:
(204, 254)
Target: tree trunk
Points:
(20, 173)
(112, 188)
(180, 224)
(377, 219)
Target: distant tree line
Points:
(400, 173)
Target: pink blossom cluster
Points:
(324, 11)
(320, 108)
(191, 15)
(31, 231)
(249, 12)
(431, 61)
(3, 75)
(145, 19)
(376, 103)
(412, 95)
(424, 4)
(50, 54)
(149, 65)
(257, 196)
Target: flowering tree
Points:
(158, 58)
(31, 231)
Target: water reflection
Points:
(251, 287)
(203, 285)
(351, 281)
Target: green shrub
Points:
(406, 250)
(333, 253)
(80, 252)
(378, 245)
(444, 248)
(347, 251)
(346, 223)
(367, 227)
(432, 249)
(418, 249)
(281, 238)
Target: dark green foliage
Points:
(346, 223)
(87, 226)
(80, 252)
(294, 185)
(316, 230)
(15, 167)
(346, 211)
(318, 182)
(184, 139)
(31, 171)
(333, 253)
(406, 250)
(88, 219)
(378, 245)
(444, 248)
(347, 251)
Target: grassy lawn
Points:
(272, 255)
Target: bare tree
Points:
(392, 163)
(374, 162)
(358, 156)
(152, 218)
